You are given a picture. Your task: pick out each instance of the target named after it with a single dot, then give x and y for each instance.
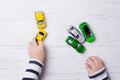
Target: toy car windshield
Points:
(40, 21)
(70, 41)
(41, 33)
(87, 31)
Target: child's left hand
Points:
(36, 50)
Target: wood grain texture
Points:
(17, 27)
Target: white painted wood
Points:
(17, 27)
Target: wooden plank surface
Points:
(17, 27)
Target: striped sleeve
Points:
(33, 70)
(99, 75)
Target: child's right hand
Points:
(93, 64)
(36, 50)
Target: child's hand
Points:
(36, 50)
(93, 64)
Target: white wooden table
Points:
(17, 27)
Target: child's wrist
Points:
(100, 74)
(96, 72)
(39, 61)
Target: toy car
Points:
(75, 33)
(75, 44)
(87, 32)
(40, 20)
(41, 35)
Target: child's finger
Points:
(40, 43)
(34, 42)
(90, 61)
(100, 61)
(30, 44)
(93, 58)
(88, 67)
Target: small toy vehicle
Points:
(41, 35)
(87, 32)
(75, 33)
(40, 20)
(75, 44)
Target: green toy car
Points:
(87, 32)
(75, 44)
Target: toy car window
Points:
(71, 28)
(77, 36)
(78, 45)
(40, 21)
(70, 41)
(75, 33)
(41, 33)
(87, 31)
